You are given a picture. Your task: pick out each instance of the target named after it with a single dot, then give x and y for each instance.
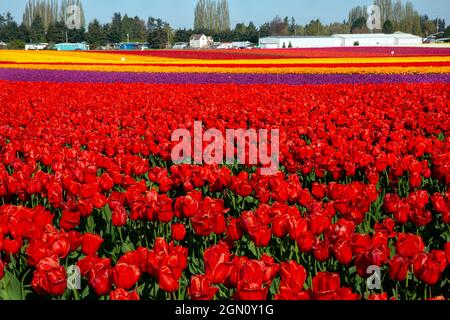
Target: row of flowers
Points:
(276, 54)
(214, 78)
(238, 69)
(132, 62)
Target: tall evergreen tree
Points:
(9, 30)
(47, 10)
(159, 33)
(388, 27)
(56, 32)
(95, 35)
(37, 30)
(115, 31)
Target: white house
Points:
(36, 46)
(199, 41)
(340, 40)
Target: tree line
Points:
(44, 21)
(211, 15)
(395, 16)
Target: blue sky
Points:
(179, 13)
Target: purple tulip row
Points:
(214, 78)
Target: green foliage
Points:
(402, 15)
(159, 33)
(56, 32)
(359, 26)
(447, 32)
(115, 34)
(9, 30)
(96, 35)
(16, 45)
(388, 27)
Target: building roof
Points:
(294, 37)
(348, 36)
(70, 44)
(375, 35)
(134, 43)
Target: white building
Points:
(297, 42)
(341, 40)
(378, 39)
(36, 46)
(199, 41)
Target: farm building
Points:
(71, 46)
(378, 39)
(297, 42)
(199, 41)
(36, 46)
(340, 40)
(133, 46)
(2, 45)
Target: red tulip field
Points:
(359, 208)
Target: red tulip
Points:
(217, 266)
(398, 268)
(325, 284)
(429, 267)
(69, 220)
(408, 245)
(167, 280)
(293, 275)
(122, 294)
(250, 283)
(49, 277)
(201, 289)
(91, 243)
(342, 250)
(2, 269)
(178, 232)
(125, 275)
(119, 216)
